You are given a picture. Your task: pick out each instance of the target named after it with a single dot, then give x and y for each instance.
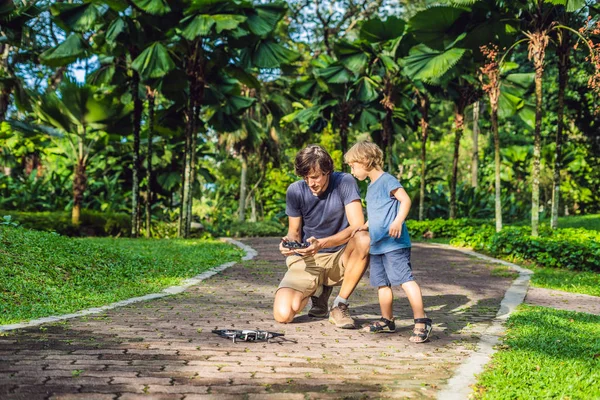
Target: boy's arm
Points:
(405, 203)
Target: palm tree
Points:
(538, 38)
(506, 94)
(81, 114)
(211, 38)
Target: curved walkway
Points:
(164, 348)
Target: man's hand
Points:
(284, 250)
(315, 246)
(364, 227)
(396, 229)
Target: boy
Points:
(388, 205)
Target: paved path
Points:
(563, 300)
(164, 349)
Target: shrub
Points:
(442, 228)
(254, 229)
(92, 223)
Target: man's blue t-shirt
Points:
(323, 215)
(382, 209)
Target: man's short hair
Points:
(366, 153)
(311, 158)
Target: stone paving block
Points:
(140, 381)
(77, 381)
(83, 396)
(276, 396)
(26, 396)
(203, 380)
(46, 389)
(120, 388)
(96, 366)
(219, 396)
(176, 389)
(152, 396)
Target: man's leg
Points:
(288, 303)
(355, 260)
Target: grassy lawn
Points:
(546, 354)
(44, 274)
(566, 280)
(591, 222)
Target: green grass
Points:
(547, 354)
(591, 222)
(566, 280)
(44, 274)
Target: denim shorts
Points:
(391, 269)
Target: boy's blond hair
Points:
(366, 153)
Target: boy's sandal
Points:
(383, 325)
(421, 335)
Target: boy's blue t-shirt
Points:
(382, 209)
(323, 215)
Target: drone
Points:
(247, 335)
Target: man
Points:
(323, 210)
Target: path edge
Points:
(459, 386)
(171, 290)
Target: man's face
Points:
(317, 181)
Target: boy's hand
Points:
(315, 246)
(360, 228)
(396, 229)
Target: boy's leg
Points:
(413, 292)
(386, 299)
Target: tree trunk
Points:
(184, 215)
(5, 89)
(475, 156)
(424, 108)
(253, 215)
(563, 76)
(537, 47)
(195, 74)
(135, 192)
(243, 189)
(79, 185)
(151, 99)
(388, 129)
(498, 187)
(458, 132)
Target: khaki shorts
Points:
(306, 274)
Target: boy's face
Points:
(358, 170)
(317, 181)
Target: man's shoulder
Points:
(343, 177)
(295, 186)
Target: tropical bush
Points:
(252, 229)
(93, 223)
(571, 248)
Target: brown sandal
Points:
(422, 334)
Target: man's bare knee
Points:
(283, 307)
(283, 315)
(361, 242)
